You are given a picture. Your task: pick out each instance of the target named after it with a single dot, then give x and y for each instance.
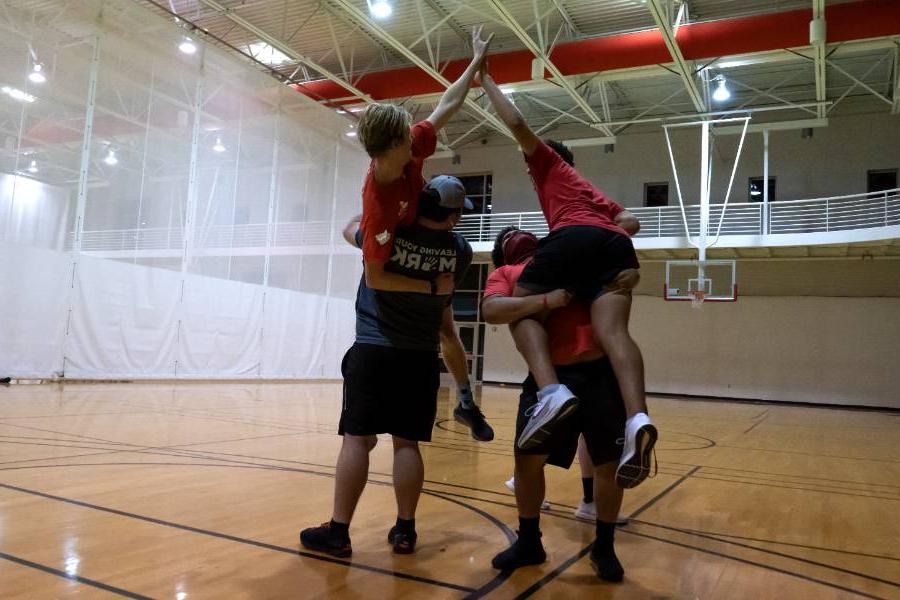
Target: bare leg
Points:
(584, 459)
(531, 341)
(351, 474)
(607, 494)
(409, 474)
(609, 319)
(530, 486)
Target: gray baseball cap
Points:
(451, 191)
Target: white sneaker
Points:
(586, 511)
(546, 414)
(511, 484)
(640, 437)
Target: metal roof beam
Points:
(523, 36)
(896, 108)
(660, 15)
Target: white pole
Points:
(765, 211)
(704, 195)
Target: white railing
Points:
(842, 213)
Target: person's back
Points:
(410, 320)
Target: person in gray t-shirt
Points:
(392, 374)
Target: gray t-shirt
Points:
(409, 320)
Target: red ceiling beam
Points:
(864, 19)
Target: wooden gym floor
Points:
(191, 491)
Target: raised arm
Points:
(453, 98)
(509, 114)
(499, 310)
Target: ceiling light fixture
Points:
(219, 146)
(111, 159)
(722, 93)
(33, 168)
(37, 74)
(380, 9)
(187, 46)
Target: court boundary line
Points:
(72, 577)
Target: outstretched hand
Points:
(480, 46)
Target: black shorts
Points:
(600, 415)
(580, 258)
(389, 390)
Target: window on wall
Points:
(478, 189)
(755, 191)
(656, 194)
(881, 180)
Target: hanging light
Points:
(350, 133)
(722, 92)
(37, 74)
(507, 91)
(187, 46)
(17, 94)
(219, 147)
(380, 9)
(111, 159)
(33, 168)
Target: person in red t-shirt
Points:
(588, 252)
(599, 417)
(394, 180)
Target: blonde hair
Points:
(381, 126)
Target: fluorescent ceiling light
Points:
(263, 52)
(33, 168)
(17, 94)
(111, 159)
(507, 90)
(219, 146)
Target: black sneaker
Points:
(474, 420)
(607, 566)
(402, 541)
(323, 539)
(521, 554)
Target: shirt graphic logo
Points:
(383, 237)
(404, 208)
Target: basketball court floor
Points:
(200, 490)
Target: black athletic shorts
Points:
(580, 258)
(389, 390)
(600, 415)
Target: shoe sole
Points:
(520, 565)
(633, 472)
(585, 516)
(340, 553)
(534, 437)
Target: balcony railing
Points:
(860, 211)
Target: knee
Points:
(403, 444)
(624, 282)
(371, 442)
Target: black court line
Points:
(663, 493)
(240, 540)
(815, 454)
(59, 573)
(775, 553)
(755, 425)
(754, 563)
(707, 477)
(555, 572)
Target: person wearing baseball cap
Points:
(392, 371)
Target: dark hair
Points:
(497, 252)
(430, 207)
(562, 150)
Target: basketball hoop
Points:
(697, 298)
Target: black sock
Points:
(605, 534)
(341, 529)
(406, 525)
(530, 528)
(587, 483)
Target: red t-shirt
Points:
(389, 205)
(568, 328)
(566, 197)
